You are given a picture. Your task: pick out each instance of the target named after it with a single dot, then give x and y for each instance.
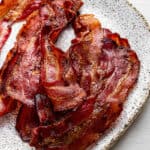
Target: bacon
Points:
(6, 105)
(12, 12)
(26, 120)
(62, 97)
(70, 98)
(115, 89)
(66, 97)
(52, 133)
(112, 69)
(44, 109)
(23, 81)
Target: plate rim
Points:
(113, 142)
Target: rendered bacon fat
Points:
(107, 69)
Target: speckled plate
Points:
(120, 17)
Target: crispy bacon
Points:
(26, 120)
(62, 97)
(70, 98)
(54, 133)
(4, 32)
(22, 82)
(112, 69)
(12, 12)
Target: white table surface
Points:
(138, 135)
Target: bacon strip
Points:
(22, 69)
(62, 97)
(113, 70)
(6, 105)
(13, 60)
(44, 109)
(23, 80)
(12, 12)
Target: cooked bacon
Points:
(44, 109)
(23, 80)
(115, 89)
(26, 120)
(6, 105)
(112, 69)
(66, 97)
(63, 97)
(70, 98)
(12, 12)
(54, 133)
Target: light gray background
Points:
(138, 135)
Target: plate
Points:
(121, 17)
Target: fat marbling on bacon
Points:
(106, 69)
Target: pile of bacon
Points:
(67, 99)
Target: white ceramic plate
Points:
(120, 17)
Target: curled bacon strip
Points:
(62, 97)
(26, 120)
